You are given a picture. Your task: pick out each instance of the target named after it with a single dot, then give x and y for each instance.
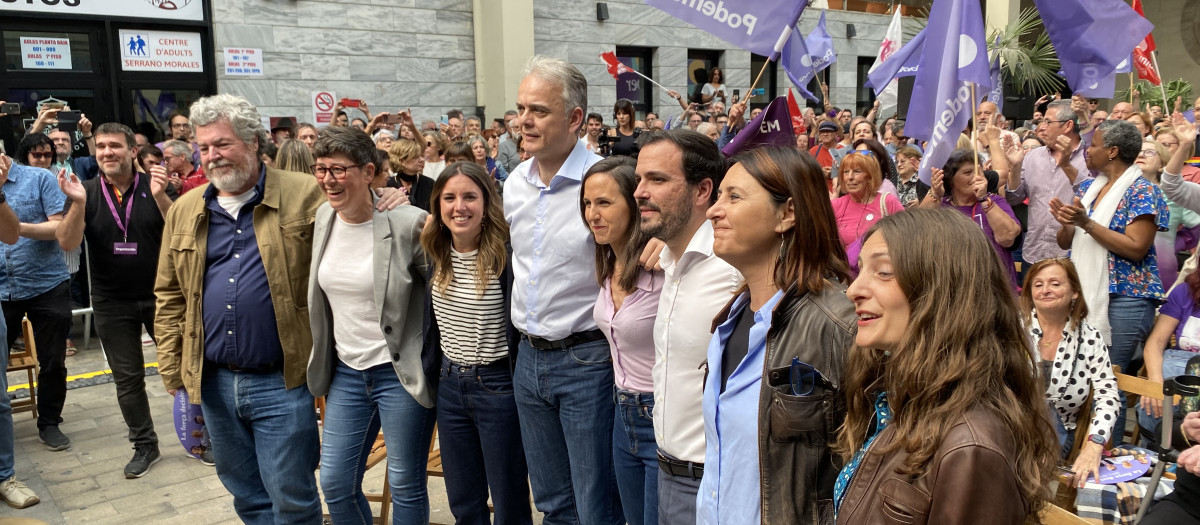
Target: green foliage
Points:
(1032, 68)
(1150, 94)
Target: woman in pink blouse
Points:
(861, 204)
(625, 312)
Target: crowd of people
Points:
(621, 320)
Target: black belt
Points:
(574, 339)
(504, 363)
(265, 369)
(680, 468)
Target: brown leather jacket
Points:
(972, 478)
(797, 469)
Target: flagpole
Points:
(638, 73)
(1161, 80)
(1131, 87)
(974, 133)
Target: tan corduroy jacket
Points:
(283, 227)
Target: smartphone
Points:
(444, 119)
(10, 108)
(350, 103)
(68, 121)
(393, 119)
(737, 93)
(53, 105)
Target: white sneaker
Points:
(16, 494)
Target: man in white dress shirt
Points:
(678, 174)
(563, 378)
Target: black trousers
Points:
(50, 314)
(119, 325)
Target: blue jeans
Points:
(8, 442)
(358, 404)
(1173, 364)
(480, 435)
(564, 403)
(1130, 319)
(265, 445)
(635, 456)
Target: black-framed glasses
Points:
(338, 171)
(805, 378)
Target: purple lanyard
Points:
(124, 226)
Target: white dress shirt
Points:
(554, 266)
(697, 287)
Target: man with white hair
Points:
(232, 319)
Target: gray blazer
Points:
(401, 273)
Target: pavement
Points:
(85, 484)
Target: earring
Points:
(781, 243)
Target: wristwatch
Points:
(1097, 439)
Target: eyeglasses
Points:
(1028, 147)
(338, 171)
(1047, 121)
(866, 152)
(805, 378)
(1148, 153)
(37, 155)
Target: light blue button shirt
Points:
(730, 490)
(30, 268)
(554, 266)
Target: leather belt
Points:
(676, 467)
(265, 369)
(574, 339)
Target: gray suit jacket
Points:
(401, 272)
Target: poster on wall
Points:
(322, 107)
(45, 53)
(240, 61)
(192, 10)
(161, 51)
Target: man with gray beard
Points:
(232, 318)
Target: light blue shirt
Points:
(730, 490)
(554, 267)
(30, 267)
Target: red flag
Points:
(1147, 44)
(1145, 67)
(615, 67)
(797, 116)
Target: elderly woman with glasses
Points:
(861, 204)
(960, 184)
(366, 294)
(1109, 227)
(1151, 160)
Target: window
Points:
(632, 86)
(865, 96)
(700, 62)
(47, 51)
(764, 93)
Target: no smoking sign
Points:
(322, 106)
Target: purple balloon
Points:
(189, 425)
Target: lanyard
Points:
(123, 226)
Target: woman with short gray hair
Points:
(1109, 228)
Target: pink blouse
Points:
(630, 331)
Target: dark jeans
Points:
(119, 324)
(635, 456)
(564, 400)
(480, 436)
(50, 314)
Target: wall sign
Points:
(160, 51)
(322, 106)
(158, 9)
(45, 53)
(243, 62)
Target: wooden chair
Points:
(26, 360)
(1137, 386)
(1055, 515)
(1064, 495)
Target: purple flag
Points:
(1092, 37)
(798, 64)
(902, 63)
(772, 127)
(753, 26)
(820, 46)
(1190, 115)
(996, 95)
(942, 100)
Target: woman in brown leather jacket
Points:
(945, 420)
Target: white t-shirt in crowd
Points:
(347, 276)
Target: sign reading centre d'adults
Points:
(192, 10)
(160, 51)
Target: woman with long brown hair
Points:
(945, 419)
(469, 334)
(771, 403)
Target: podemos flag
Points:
(889, 46)
(751, 25)
(1091, 37)
(772, 127)
(942, 100)
(903, 63)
